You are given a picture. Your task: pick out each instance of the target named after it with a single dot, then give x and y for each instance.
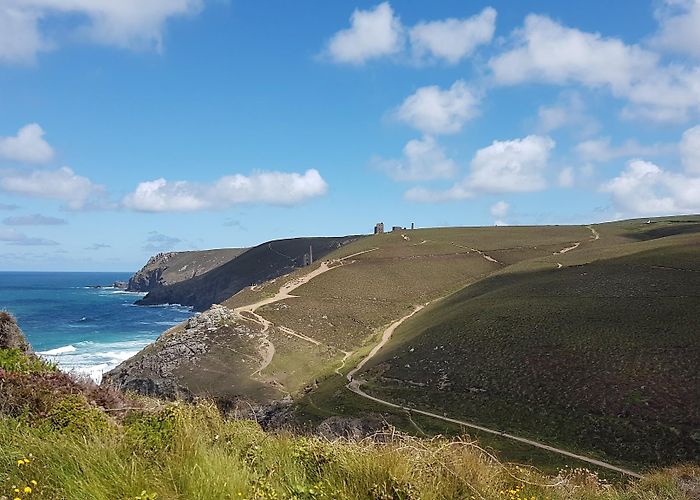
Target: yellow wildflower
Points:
(33, 482)
(27, 489)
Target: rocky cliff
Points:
(173, 267)
(256, 265)
(11, 337)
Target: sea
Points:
(84, 329)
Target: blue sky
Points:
(132, 127)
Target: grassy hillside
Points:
(599, 355)
(261, 263)
(583, 337)
(65, 439)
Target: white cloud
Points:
(14, 237)
(679, 29)
(423, 159)
(545, 51)
(124, 23)
(511, 166)
(569, 111)
(33, 220)
(62, 184)
(20, 39)
(373, 33)
(500, 209)
(452, 39)
(690, 150)
(566, 177)
(435, 111)
(28, 146)
(274, 188)
(419, 194)
(600, 149)
(644, 188)
(158, 242)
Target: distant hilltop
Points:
(173, 267)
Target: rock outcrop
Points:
(257, 265)
(173, 267)
(155, 370)
(11, 337)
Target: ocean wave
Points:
(59, 350)
(93, 358)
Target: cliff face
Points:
(11, 337)
(173, 267)
(256, 265)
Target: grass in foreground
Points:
(191, 452)
(66, 439)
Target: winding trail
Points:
(354, 385)
(248, 312)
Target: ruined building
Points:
(379, 228)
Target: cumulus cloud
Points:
(601, 150)
(158, 242)
(435, 111)
(568, 111)
(28, 146)
(566, 177)
(452, 39)
(14, 237)
(545, 51)
(511, 166)
(690, 150)
(372, 33)
(500, 209)
(679, 27)
(33, 220)
(274, 188)
(423, 159)
(63, 184)
(124, 23)
(644, 188)
(378, 32)
(516, 165)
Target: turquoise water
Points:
(84, 329)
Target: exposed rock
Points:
(152, 372)
(122, 285)
(351, 427)
(11, 337)
(257, 265)
(172, 267)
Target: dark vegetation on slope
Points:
(261, 263)
(601, 356)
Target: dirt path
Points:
(248, 313)
(386, 336)
(595, 235)
(354, 385)
(568, 249)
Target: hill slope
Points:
(560, 332)
(65, 438)
(173, 267)
(261, 263)
(600, 354)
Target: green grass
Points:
(553, 354)
(15, 361)
(599, 357)
(191, 452)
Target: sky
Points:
(134, 127)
